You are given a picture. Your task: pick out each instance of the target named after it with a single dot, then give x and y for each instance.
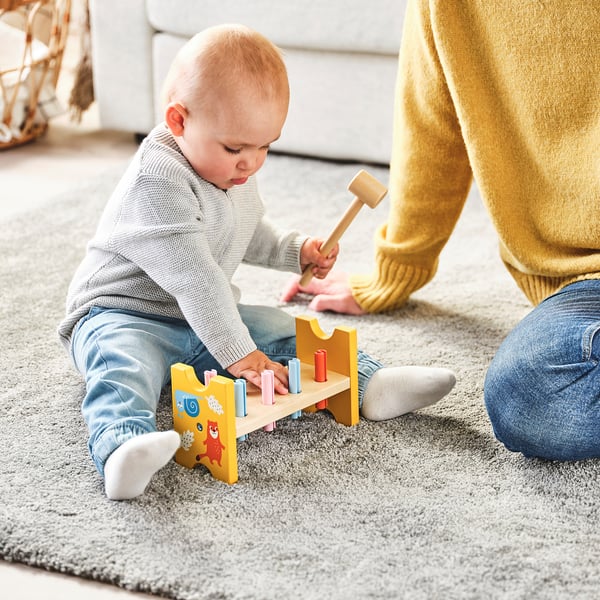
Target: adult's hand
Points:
(332, 293)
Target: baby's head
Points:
(226, 98)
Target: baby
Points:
(154, 287)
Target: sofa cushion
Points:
(338, 25)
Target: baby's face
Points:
(228, 143)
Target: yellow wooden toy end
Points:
(204, 417)
(342, 352)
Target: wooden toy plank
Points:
(260, 414)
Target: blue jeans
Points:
(126, 357)
(542, 390)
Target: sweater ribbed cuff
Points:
(227, 356)
(389, 286)
(293, 261)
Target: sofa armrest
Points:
(122, 62)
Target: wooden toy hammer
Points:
(367, 190)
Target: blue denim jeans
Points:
(126, 357)
(542, 390)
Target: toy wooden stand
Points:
(205, 415)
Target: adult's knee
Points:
(507, 405)
(541, 410)
(542, 389)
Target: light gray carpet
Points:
(426, 506)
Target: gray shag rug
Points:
(429, 505)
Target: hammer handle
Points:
(333, 239)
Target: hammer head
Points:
(367, 189)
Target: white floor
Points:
(32, 175)
(25, 583)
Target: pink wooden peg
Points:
(267, 380)
(208, 375)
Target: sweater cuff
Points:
(393, 280)
(293, 261)
(231, 354)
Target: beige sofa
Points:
(341, 57)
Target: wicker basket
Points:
(35, 32)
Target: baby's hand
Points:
(251, 366)
(310, 255)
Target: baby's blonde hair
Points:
(225, 59)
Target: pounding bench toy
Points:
(212, 417)
(367, 190)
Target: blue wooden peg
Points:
(295, 382)
(239, 393)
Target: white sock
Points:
(130, 467)
(395, 391)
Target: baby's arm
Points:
(252, 365)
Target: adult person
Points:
(508, 93)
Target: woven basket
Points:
(40, 28)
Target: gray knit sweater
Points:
(168, 244)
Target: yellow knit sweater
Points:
(507, 92)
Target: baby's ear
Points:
(175, 115)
